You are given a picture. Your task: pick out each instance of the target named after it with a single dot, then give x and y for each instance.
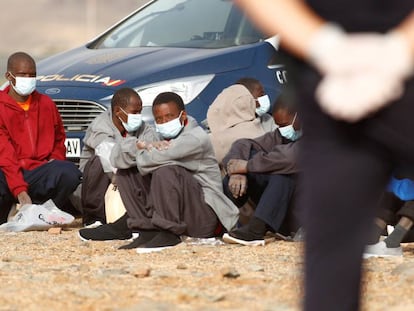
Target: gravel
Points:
(43, 270)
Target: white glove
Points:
(352, 97)
(363, 72)
(332, 51)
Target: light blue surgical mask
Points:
(134, 121)
(24, 85)
(264, 105)
(171, 128)
(289, 131)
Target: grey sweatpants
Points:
(169, 199)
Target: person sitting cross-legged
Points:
(397, 201)
(263, 169)
(121, 124)
(175, 188)
(33, 165)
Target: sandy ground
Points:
(44, 271)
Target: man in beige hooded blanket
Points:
(232, 116)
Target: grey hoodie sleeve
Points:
(124, 153)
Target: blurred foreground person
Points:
(33, 166)
(357, 92)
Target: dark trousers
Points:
(392, 208)
(270, 192)
(94, 185)
(54, 180)
(346, 167)
(170, 199)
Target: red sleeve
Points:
(59, 148)
(9, 164)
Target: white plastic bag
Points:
(114, 207)
(37, 217)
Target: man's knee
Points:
(407, 210)
(68, 171)
(168, 171)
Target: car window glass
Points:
(182, 23)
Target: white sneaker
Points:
(232, 240)
(144, 250)
(380, 249)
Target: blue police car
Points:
(192, 47)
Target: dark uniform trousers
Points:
(346, 168)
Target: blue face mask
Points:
(289, 131)
(24, 85)
(264, 105)
(134, 121)
(170, 129)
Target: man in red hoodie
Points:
(33, 166)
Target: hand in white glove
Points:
(332, 51)
(352, 97)
(363, 72)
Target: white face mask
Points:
(171, 128)
(264, 102)
(289, 131)
(24, 85)
(134, 121)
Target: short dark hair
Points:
(249, 83)
(19, 56)
(122, 96)
(283, 103)
(168, 97)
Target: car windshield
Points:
(182, 23)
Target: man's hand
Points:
(238, 185)
(236, 166)
(24, 198)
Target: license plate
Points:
(73, 147)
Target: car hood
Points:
(132, 67)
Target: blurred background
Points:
(45, 27)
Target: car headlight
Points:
(188, 88)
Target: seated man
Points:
(264, 170)
(175, 189)
(33, 166)
(397, 201)
(262, 100)
(234, 115)
(121, 124)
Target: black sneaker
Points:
(117, 230)
(243, 237)
(163, 240)
(143, 237)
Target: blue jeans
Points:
(271, 193)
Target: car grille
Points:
(78, 115)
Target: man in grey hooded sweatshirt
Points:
(176, 187)
(121, 124)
